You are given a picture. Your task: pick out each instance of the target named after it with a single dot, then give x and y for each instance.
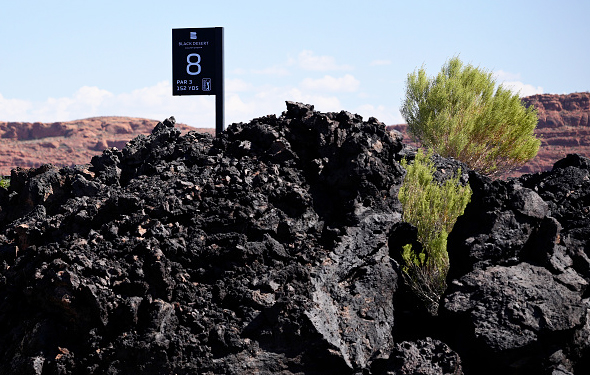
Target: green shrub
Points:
(460, 114)
(433, 209)
(5, 182)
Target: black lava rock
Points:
(274, 249)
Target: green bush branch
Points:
(433, 209)
(5, 182)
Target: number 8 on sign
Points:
(191, 63)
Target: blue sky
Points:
(67, 60)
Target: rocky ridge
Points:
(564, 128)
(274, 249)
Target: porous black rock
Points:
(518, 285)
(263, 250)
(425, 357)
(274, 249)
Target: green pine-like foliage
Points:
(461, 114)
(433, 209)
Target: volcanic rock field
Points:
(274, 248)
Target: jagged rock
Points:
(274, 249)
(191, 254)
(515, 313)
(497, 225)
(519, 273)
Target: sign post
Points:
(197, 66)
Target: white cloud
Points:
(147, 96)
(268, 99)
(308, 61)
(92, 96)
(12, 108)
(88, 100)
(236, 84)
(523, 89)
(347, 83)
(321, 103)
(513, 82)
(380, 62)
(58, 108)
(272, 71)
(387, 115)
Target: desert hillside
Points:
(24, 144)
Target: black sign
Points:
(197, 66)
(197, 61)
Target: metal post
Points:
(219, 97)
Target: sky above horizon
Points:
(68, 60)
